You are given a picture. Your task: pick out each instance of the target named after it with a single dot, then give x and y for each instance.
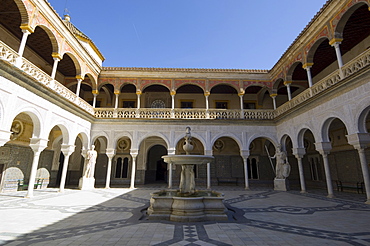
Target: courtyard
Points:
(116, 216)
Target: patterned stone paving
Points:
(117, 217)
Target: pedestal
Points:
(281, 184)
(86, 183)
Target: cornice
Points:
(189, 70)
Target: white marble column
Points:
(336, 44)
(22, 45)
(307, 67)
(287, 84)
(208, 176)
(133, 170)
(56, 59)
(110, 154)
(95, 94)
(324, 149)
(360, 142)
(79, 80)
(241, 95)
(299, 153)
(273, 96)
(116, 93)
(67, 150)
(37, 145)
(245, 154)
(170, 175)
(206, 94)
(138, 93)
(173, 93)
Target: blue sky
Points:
(248, 34)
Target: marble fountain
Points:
(187, 204)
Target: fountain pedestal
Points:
(187, 204)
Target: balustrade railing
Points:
(9, 55)
(348, 69)
(166, 113)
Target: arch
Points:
(119, 136)
(158, 85)
(94, 84)
(128, 84)
(189, 84)
(289, 75)
(283, 141)
(224, 84)
(313, 49)
(52, 38)
(229, 135)
(326, 125)
(276, 84)
(84, 136)
(64, 130)
(152, 134)
(300, 137)
(75, 62)
(272, 139)
(338, 32)
(194, 135)
(36, 118)
(23, 11)
(103, 143)
(361, 120)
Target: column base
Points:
(281, 184)
(367, 202)
(86, 183)
(330, 196)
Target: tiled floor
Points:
(117, 217)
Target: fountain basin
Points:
(174, 206)
(188, 159)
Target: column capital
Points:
(67, 150)
(307, 65)
(27, 28)
(95, 92)
(79, 77)
(138, 92)
(208, 152)
(134, 152)
(323, 147)
(286, 83)
(117, 92)
(273, 95)
(241, 92)
(335, 41)
(173, 92)
(299, 152)
(171, 151)
(207, 93)
(244, 153)
(38, 144)
(110, 153)
(359, 140)
(56, 55)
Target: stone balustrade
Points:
(9, 55)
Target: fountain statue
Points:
(187, 204)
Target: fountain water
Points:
(187, 204)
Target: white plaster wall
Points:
(16, 99)
(347, 107)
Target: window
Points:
(186, 104)
(221, 104)
(129, 104)
(121, 168)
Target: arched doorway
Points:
(156, 168)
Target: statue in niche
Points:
(282, 169)
(91, 160)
